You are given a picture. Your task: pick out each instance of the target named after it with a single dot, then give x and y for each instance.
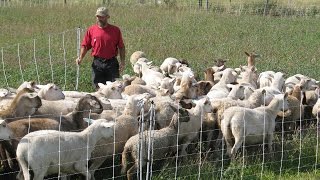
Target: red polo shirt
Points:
(103, 41)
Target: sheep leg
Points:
(237, 145)
(95, 165)
(229, 145)
(220, 139)
(131, 172)
(24, 171)
(270, 139)
(39, 174)
(82, 169)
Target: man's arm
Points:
(122, 52)
(83, 52)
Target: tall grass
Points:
(289, 44)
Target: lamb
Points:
(315, 109)
(203, 87)
(65, 152)
(169, 66)
(128, 80)
(220, 89)
(135, 56)
(138, 89)
(5, 136)
(295, 112)
(208, 75)
(111, 90)
(219, 106)
(251, 59)
(164, 141)
(4, 93)
(249, 77)
(5, 131)
(126, 125)
(56, 107)
(265, 78)
(308, 83)
(50, 92)
(189, 131)
(151, 77)
(251, 125)
(25, 103)
(27, 84)
(71, 122)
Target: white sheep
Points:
(138, 89)
(189, 131)
(151, 77)
(306, 82)
(135, 56)
(48, 151)
(220, 90)
(126, 125)
(51, 92)
(315, 109)
(170, 65)
(251, 125)
(5, 131)
(111, 90)
(265, 78)
(164, 141)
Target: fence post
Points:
(266, 5)
(207, 5)
(200, 3)
(78, 54)
(150, 141)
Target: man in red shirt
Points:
(106, 41)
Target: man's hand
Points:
(122, 66)
(78, 61)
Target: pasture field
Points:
(290, 44)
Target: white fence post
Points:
(78, 54)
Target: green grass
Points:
(288, 43)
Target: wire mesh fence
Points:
(157, 153)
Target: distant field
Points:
(290, 44)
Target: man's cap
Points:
(102, 11)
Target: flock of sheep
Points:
(50, 131)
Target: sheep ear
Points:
(101, 85)
(32, 95)
(51, 86)
(172, 80)
(247, 53)
(230, 86)
(108, 124)
(108, 83)
(285, 95)
(221, 67)
(32, 83)
(297, 77)
(88, 120)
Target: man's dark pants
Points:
(104, 70)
